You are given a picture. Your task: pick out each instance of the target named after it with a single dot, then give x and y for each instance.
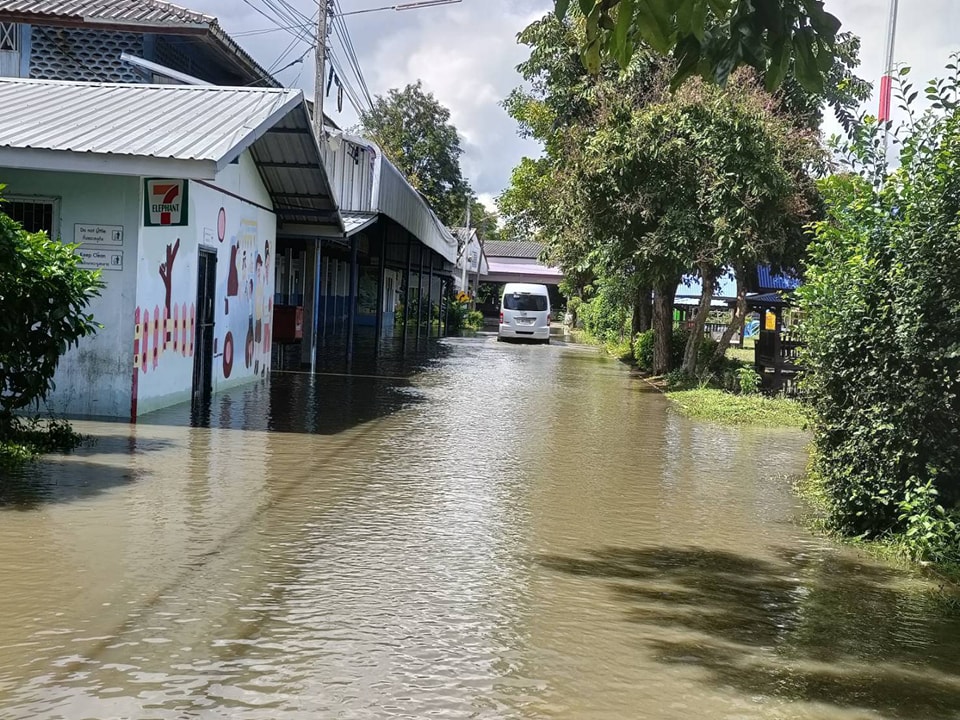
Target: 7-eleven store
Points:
(176, 194)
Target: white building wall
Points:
(94, 378)
(243, 234)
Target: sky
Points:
(466, 55)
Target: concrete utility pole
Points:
(320, 61)
(466, 249)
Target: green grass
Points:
(744, 355)
(893, 549)
(729, 409)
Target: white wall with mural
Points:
(104, 213)
(242, 233)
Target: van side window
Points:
(525, 302)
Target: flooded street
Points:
(489, 531)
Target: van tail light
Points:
(501, 318)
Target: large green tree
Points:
(595, 129)
(714, 37)
(413, 128)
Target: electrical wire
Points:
(285, 17)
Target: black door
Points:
(206, 295)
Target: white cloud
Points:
(466, 55)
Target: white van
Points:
(525, 312)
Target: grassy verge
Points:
(893, 549)
(730, 409)
(620, 350)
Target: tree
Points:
(415, 132)
(639, 185)
(712, 38)
(43, 301)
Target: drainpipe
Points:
(382, 282)
(420, 294)
(406, 293)
(352, 307)
(430, 300)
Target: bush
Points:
(643, 350)
(882, 324)
(748, 381)
(474, 320)
(43, 299)
(604, 318)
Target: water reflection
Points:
(475, 530)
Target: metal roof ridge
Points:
(149, 86)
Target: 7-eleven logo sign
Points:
(166, 202)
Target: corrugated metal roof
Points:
(106, 127)
(186, 122)
(355, 222)
(143, 14)
(769, 280)
(501, 248)
(138, 11)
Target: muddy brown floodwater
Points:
(487, 531)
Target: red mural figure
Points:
(156, 337)
(145, 342)
(176, 328)
(166, 273)
(228, 355)
(184, 347)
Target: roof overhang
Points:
(106, 163)
(45, 133)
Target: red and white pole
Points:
(886, 82)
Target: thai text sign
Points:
(94, 258)
(93, 234)
(165, 202)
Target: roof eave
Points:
(106, 163)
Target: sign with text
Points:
(165, 203)
(94, 258)
(92, 234)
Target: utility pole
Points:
(320, 60)
(466, 249)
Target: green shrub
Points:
(44, 295)
(748, 381)
(643, 350)
(604, 318)
(882, 324)
(474, 320)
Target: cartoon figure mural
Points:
(165, 316)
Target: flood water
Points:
(481, 531)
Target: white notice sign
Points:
(93, 258)
(92, 234)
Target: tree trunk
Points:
(692, 351)
(663, 326)
(736, 322)
(642, 310)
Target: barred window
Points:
(35, 214)
(9, 37)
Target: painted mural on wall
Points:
(166, 315)
(243, 335)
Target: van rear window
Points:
(525, 302)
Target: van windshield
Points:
(525, 302)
